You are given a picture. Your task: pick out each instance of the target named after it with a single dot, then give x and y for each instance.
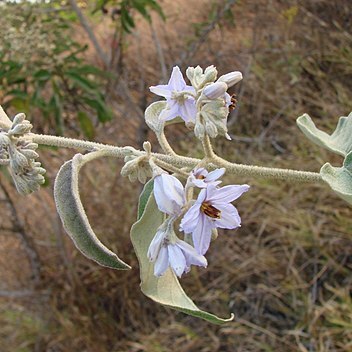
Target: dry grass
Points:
(286, 274)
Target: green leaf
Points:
(166, 289)
(339, 178)
(143, 199)
(74, 218)
(86, 124)
(340, 141)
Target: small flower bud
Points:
(231, 78)
(210, 74)
(20, 129)
(19, 118)
(215, 90)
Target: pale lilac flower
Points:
(211, 210)
(166, 250)
(202, 178)
(178, 97)
(169, 194)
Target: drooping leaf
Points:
(340, 141)
(74, 218)
(166, 289)
(339, 178)
(143, 199)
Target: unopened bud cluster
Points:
(19, 153)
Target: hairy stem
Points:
(207, 147)
(166, 147)
(181, 161)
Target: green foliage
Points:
(42, 69)
(74, 218)
(125, 10)
(166, 289)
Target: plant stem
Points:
(207, 147)
(181, 161)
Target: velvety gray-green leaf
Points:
(166, 289)
(152, 117)
(339, 178)
(74, 218)
(340, 141)
(143, 199)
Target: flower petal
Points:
(155, 245)
(177, 259)
(191, 255)
(162, 90)
(188, 110)
(169, 194)
(176, 81)
(202, 234)
(214, 175)
(162, 262)
(230, 218)
(171, 111)
(225, 194)
(191, 218)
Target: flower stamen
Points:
(210, 210)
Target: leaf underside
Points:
(166, 289)
(74, 218)
(340, 141)
(339, 178)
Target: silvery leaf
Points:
(340, 141)
(339, 178)
(74, 218)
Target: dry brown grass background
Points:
(286, 273)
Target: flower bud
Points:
(210, 74)
(231, 78)
(19, 118)
(215, 90)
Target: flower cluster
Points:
(211, 210)
(204, 105)
(19, 153)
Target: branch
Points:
(89, 32)
(181, 161)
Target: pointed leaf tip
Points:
(74, 218)
(166, 289)
(339, 141)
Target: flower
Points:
(169, 194)
(202, 178)
(179, 98)
(166, 250)
(212, 209)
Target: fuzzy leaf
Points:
(340, 141)
(74, 218)
(152, 117)
(4, 118)
(339, 178)
(166, 289)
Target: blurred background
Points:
(82, 69)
